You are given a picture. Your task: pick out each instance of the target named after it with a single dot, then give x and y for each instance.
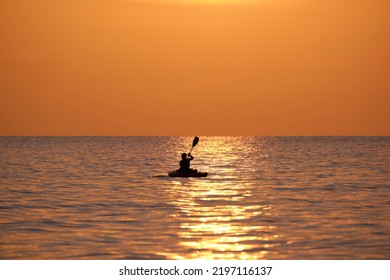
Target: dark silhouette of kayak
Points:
(187, 174)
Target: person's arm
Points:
(190, 157)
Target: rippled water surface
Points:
(264, 198)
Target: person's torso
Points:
(184, 164)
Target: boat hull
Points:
(187, 174)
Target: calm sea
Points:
(264, 198)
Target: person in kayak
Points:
(185, 163)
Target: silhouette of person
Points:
(185, 163)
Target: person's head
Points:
(183, 155)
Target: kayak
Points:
(187, 174)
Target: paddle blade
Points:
(196, 140)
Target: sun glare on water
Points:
(221, 2)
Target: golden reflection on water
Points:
(216, 224)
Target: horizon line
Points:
(341, 135)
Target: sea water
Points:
(264, 198)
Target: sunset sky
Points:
(195, 67)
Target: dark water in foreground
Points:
(265, 198)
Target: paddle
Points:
(194, 143)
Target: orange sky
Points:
(188, 67)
